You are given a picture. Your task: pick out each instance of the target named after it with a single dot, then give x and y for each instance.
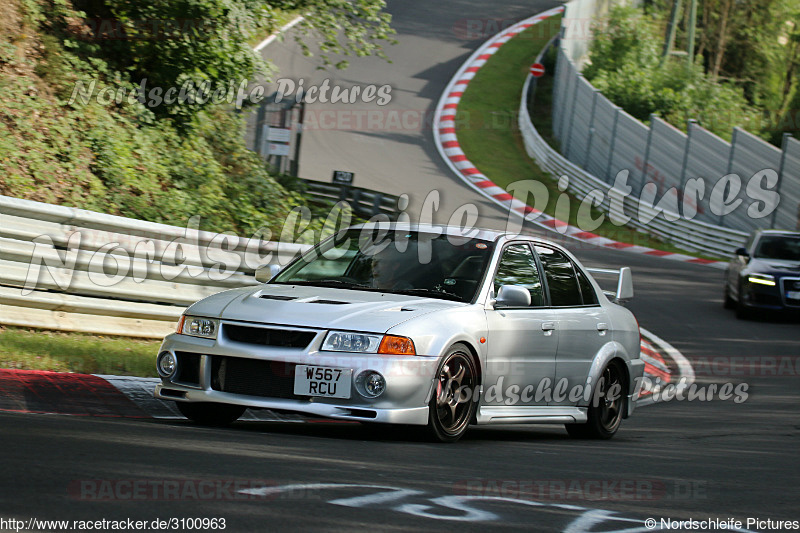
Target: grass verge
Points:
(27, 349)
(488, 130)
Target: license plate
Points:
(793, 295)
(322, 381)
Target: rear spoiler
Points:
(624, 283)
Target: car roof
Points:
(778, 232)
(458, 231)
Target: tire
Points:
(605, 418)
(454, 402)
(742, 311)
(211, 414)
(729, 302)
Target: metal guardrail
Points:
(692, 235)
(365, 203)
(76, 270)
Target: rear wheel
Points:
(211, 414)
(454, 401)
(608, 405)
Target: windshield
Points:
(781, 247)
(401, 262)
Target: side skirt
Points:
(530, 415)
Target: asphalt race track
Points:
(677, 460)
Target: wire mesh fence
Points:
(744, 184)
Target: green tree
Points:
(625, 66)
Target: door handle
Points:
(602, 328)
(548, 327)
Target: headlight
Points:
(342, 341)
(762, 279)
(200, 327)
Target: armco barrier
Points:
(76, 270)
(365, 203)
(597, 138)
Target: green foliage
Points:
(362, 23)
(204, 45)
(165, 163)
(626, 67)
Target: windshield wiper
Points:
(429, 292)
(327, 283)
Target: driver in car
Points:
(392, 270)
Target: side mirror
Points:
(624, 285)
(264, 273)
(742, 252)
(513, 296)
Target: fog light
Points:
(370, 384)
(167, 364)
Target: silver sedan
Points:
(425, 326)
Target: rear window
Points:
(561, 278)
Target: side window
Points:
(561, 278)
(518, 267)
(587, 290)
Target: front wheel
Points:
(211, 414)
(742, 311)
(608, 405)
(455, 400)
(729, 302)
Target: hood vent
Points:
(278, 297)
(329, 302)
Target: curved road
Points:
(678, 460)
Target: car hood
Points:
(774, 266)
(318, 307)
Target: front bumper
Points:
(776, 298)
(409, 380)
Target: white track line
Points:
(263, 44)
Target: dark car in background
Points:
(765, 274)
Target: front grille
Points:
(188, 368)
(282, 338)
(790, 285)
(763, 298)
(253, 377)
